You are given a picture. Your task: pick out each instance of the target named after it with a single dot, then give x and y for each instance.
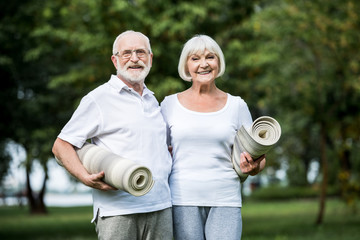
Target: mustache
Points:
(139, 63)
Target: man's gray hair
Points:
(127, 32)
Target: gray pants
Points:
(144, 226)
(210, 223)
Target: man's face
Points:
(133, 72)
(133, 61)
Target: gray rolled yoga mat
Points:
(119, 172)
(263, 134)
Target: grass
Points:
(277, 220)
(295, 220)
(71, 223)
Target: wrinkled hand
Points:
(96, 181)
(170, 149)
(250, 166)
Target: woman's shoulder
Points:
(237, 100)
(168, 100)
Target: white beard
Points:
(133, 77)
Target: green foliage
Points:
(54, 52)
(276, 192)
(297, 61)
(300, 59)
(4, 161)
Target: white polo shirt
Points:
(117, 118)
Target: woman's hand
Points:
(250, 166)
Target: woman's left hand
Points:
(251, 166)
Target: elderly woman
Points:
(202, 123)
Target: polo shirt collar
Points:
(119, 85)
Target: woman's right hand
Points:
(251, 166)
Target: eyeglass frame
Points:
(146, 52)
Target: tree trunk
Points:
(348, 189)
(324, 163)
(35, 200)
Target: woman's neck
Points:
(203, 89)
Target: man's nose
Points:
(134, 57)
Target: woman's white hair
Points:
(198, 44)
(114, 50)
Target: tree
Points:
(55, 52)
(304, 64)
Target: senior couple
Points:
(197, 193)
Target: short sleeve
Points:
(84, 124)
(245, 118)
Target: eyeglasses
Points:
(126, 54)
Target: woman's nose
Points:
(203, 63)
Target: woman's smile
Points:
(203, 64)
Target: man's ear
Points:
(151, 58)
(114, 60)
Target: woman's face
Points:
(203, 66)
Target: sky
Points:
(59, 179)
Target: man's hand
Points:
(170, 148)
(96, 181)
(68, 158)
(250, 166)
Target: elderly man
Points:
(123, 116)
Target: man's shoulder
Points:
(100, 89)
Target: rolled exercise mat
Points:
(120, 173)
(263, 134)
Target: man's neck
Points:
(137, 86)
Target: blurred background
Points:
(297, 61)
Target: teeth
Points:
(204, 72)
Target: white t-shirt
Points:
(202, 172)
(117, 118)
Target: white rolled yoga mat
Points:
(263, 134)
(120, 173)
